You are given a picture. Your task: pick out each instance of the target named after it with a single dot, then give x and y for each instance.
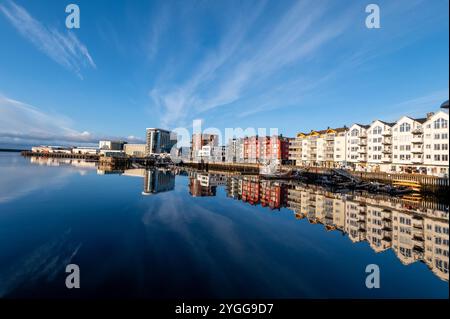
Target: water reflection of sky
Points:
(173, 244)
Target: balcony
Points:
(417, 139)
(386, 159)
(387, 150)
(387, 133)
(362, 142)
(362, 150)
(416, 160)
(387, 141)
(417, 131)
(417, 150)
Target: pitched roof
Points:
(387, 123)
(421, 120)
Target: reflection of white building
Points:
(208, 180)
(436, 237)
(379, 228)
(414, 235)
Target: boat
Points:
(415, 186)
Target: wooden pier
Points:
(94, 157)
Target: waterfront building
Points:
(158, 141)
(264, 149)
(136, 150)
(85, 150)
(407, 143)
(218, 154)
(201, 146)
(52, 149)
(295, 149)
(435, 144)
(231, 151)
(357, 146)
(111, 145)
(379, 146)
(340, 147)
(325, 148)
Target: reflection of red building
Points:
(265, 148)
(272, 194)
(266, 193)
(250, 191)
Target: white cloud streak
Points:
(62, 47)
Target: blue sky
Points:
(292, 65)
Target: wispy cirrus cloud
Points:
(27, 124)
(63, 47)
(419, 105)
(244, 60)
(265, 57)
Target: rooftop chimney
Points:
(429, 114)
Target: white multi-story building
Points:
(340, 147)
(435, 144)
(407, 145)
(357, 146)
(324, 148)
(379, 146)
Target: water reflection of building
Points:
(205, 184)
(158, 181)
(254, 190)
(413, 233)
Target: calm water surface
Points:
(155, 234)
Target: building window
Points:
(437, 157)
(440, 123)
(377, 130)
(405, 127)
